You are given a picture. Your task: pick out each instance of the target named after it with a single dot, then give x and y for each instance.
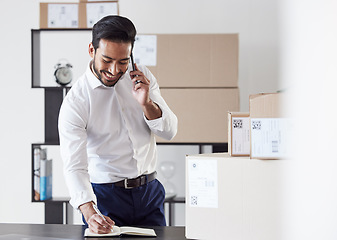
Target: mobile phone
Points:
(134, 68)
(133, 63)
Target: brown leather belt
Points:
(129, 183)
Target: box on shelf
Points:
(75, 15)
(38, 154)
(238, 134)
(233, 198)
(46, 181)
(60, 15)
(92, 11)
(42, 174)
(210, 60)
(201, 112)
(268, 128)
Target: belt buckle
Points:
(126, 184)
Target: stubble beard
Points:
(99, 75)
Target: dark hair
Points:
(114, 28)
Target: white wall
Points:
(21, 107)
(308, 64)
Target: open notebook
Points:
(123, 231)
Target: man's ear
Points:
(91, 50)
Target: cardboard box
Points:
(93, 11)
(60, 15)
(75, 15)
(233, 198)
(197, 60)
(265, 105)
(238, 134)
(269, 138)
(201, 112)
(269, 130)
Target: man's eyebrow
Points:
(106, 56)
(124, 59)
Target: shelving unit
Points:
(58, 210)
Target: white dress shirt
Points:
(104, 135)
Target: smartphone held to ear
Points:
(134, 68)
(133, 63)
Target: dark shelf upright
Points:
(52, 99)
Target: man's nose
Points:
(114, 69)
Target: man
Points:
(107, 124)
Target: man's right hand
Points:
(95, 222)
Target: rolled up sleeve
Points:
(166, 126)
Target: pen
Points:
(99, 212)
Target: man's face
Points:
(110, 61)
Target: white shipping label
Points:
(145, 50)
(63, 15)
(269, 137)
(240, 135)
(96, 11)
(203, 183)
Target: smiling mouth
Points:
(109, 77)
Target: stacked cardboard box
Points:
(198, 76)
(75, 15)
(197, 60)
(201, 112)
(268, 129)
(233, 197)
(240, 197)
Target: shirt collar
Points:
(94, 82)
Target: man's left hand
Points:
(140, 86)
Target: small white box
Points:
(238, 134)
